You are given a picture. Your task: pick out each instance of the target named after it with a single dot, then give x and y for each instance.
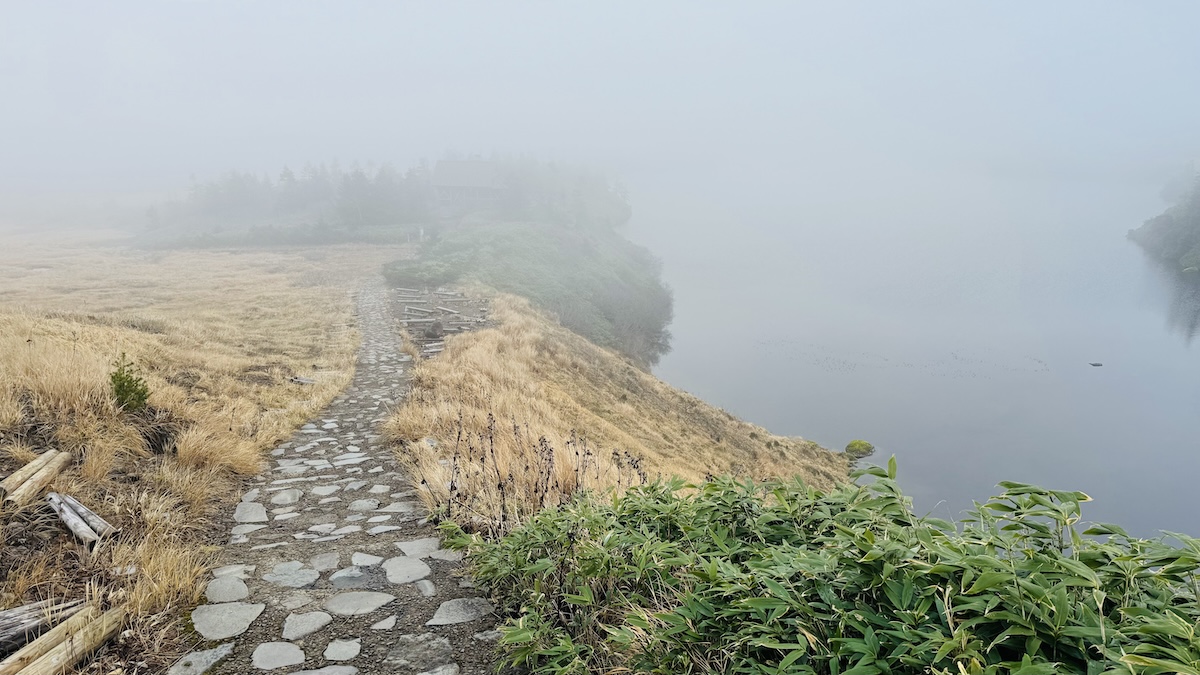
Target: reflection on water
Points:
(1183, 314)
(965, 353)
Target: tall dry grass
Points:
(217, 337)
(502, 406)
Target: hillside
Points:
(487, 402)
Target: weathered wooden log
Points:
(77, 645)
(418, 310)
(99, 525)
(23, 474)
(408, 321)
(33, 651)
(32, 488)
(447, 309)
(21, 624)
(77, 525)
(408, 290)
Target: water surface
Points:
(955, 333)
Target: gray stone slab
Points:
(250, 512)
(448, 669)
(246, 529)
(272, 655)
(225, 620)
(419, 548)
(448, 556)
(420, 652)
(387, 624)
(293, 574)
(426, 588)
(343, 650)
(403, 569)
(198, 663)
(287, 497)
(354, 603)
(251, 495)
(239, 571)
(365, 560)
(325, 561)
(363, 505)
(460, 610)
(296, 626)
(226, 589)
(380, 529)
(325, 490)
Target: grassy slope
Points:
(216, 335)
(551, 382)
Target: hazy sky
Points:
(698, 93)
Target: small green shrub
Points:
(426, 272)
(128, 388)
(778, 578)
(859, 449)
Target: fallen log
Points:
(418, 310)
(446, 309)
(20, 624)
(22, 474)
(48, 640)
(74, 523)
(99, 525)
(77, 645)
(32, 488)
(407, 290)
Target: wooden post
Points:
(18, 625)
(99, 525)
(22, 474)
(49, 640)
(88, 639)
(74, 523)
(32, 488)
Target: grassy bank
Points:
(782, 578)
(594, 281)
(216, 337)
(1173, 236)
(522, 415)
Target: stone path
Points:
(331, 568)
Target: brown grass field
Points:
(524, 413)
(216, 335)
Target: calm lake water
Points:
(954, 333)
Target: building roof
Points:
(466, 173)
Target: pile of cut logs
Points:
(75, 628)
(429, 316)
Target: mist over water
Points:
(956, 336)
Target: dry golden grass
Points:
(538, 380)
(217, 337)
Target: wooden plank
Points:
(420, 310)
(33, 651)
(447, 309)
(24, 473)
(33, 488)
(79, 644)
(74, 522)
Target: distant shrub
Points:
(129, 389)
(750, 579)
(858, 449)
(424, 273)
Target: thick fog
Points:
(821, 100)
(897, 221)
